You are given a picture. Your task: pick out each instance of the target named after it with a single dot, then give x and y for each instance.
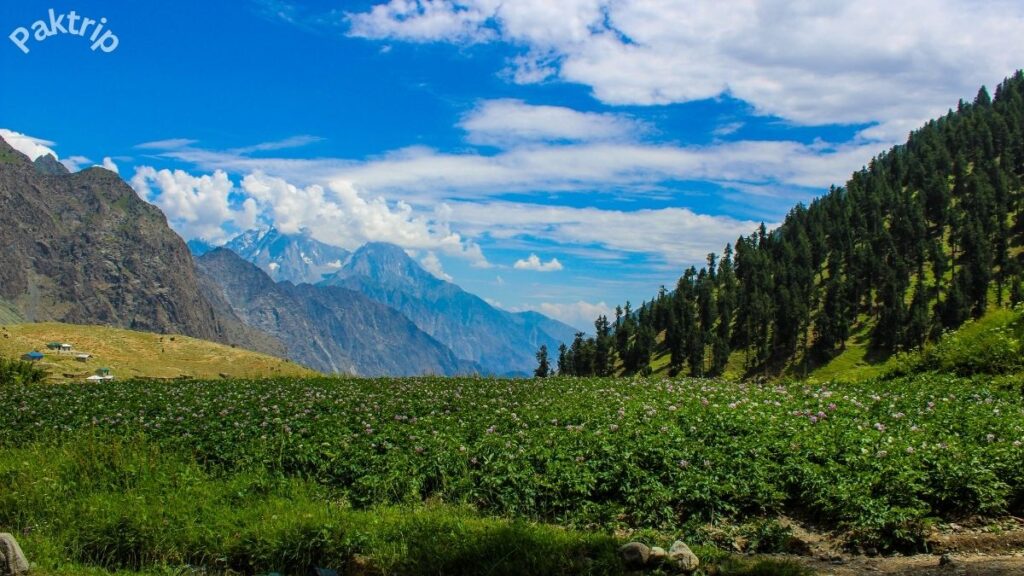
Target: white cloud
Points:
(431, 263)
(109, 164)
(291, 142)
(75, 163)
(197, 207)
(555, 149)
(678, 236)
(28, 145)
(808, 62)
(213, 208)
(342, 216)
(427, 176)
(579, 314)
(508, 122)
(727, 129)
(424, 21)
(168, 144)
(533, 262)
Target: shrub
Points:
(19, 372)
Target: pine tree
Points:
(543, 369)
(726, 299)
(564, 361)
(582, 356)
(640, 351)
(918, 317)
(624, 332)
(603, 347)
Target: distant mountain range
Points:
(483, 338)
(500, 342)
(297, 258)
(83, 248)
(331, 329)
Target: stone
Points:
(635, 555)
(658, 556)
(13, 561)
(680, 556)
(945, 560)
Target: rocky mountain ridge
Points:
(83, 248)
(327, 328)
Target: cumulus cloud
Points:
(424, 21)
(75, 163)
(579, 314)
(28, 145)
(196, 206)
(342, 216)
(808, 62)
(211, 207)
(507, 122)
(533, 262)
(109, 164)
(431, 263)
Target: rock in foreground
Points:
(12, 559)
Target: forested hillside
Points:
(926, 236)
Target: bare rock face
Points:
(12, 559)
(49, 165)
(84, 248)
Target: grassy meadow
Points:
(131, 354)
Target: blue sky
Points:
(562, 157)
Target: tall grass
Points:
(124, 504)
(993, 344)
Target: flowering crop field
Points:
(873, 460)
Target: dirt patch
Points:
(990, 539)
(978, 547)
(922, 565)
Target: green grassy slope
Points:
(138, 354)
(986, 345)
